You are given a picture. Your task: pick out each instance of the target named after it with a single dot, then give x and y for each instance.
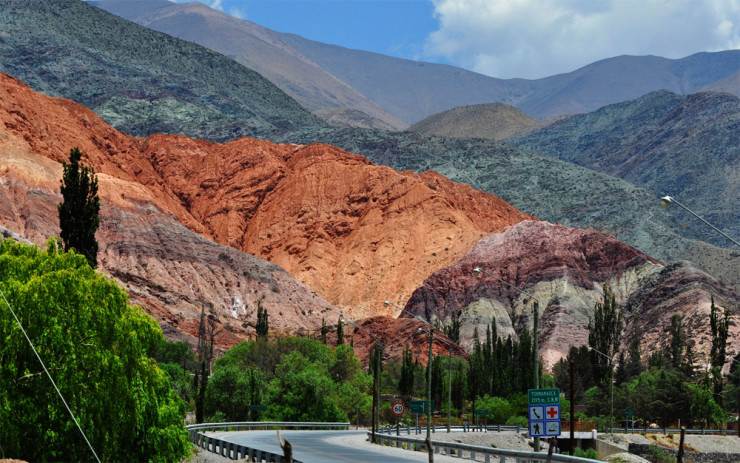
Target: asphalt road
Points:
(323, 446)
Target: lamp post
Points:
(429, 391)
(666, 201)
(476, 272)
(611, 384)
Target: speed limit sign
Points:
(397, 408)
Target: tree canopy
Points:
(94, 344)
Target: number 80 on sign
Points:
(398, 408)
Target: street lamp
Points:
(611, 384)
(666, 201)
(476, 272)
(429, 390)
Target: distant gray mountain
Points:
(139, 80)
(262, 50)
(144, 81)
(684, 146)
(324, 76)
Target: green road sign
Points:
(543, 396)
(481, 412)
(420, 406)
(629, 412)
(258, 408)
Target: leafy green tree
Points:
(452, 330)
(94, 344)
(181, 382)
(354, 397)
(703, 407)
(499, 409)
(584, 378)
(302, 391)
(634, 364)
(263, 324)
(406, 382)
(732, 392)
(343, 366)
(720, 330)
(79, 210)
(179, 353)
(232, 390)
(662, 395)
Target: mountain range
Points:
(325, 78)
(353, 232)
(350, 230)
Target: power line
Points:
(50, 378)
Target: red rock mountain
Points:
(355, 233)
(565, 269)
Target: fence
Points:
(476, 452)
(237, 451)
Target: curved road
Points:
(324, 446)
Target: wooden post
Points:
(679, 457)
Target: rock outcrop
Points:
(169, 270)
(564, 270)
(355, 233)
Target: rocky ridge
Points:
(356, 233)
(564, 270)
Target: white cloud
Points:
(215, 4)
(537, 38)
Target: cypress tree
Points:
(340, 332)
(79, 210)
(262, 322)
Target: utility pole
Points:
(536, 359)
(449, 387)
(572, 405)
(429, 396)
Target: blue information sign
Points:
(544, 412)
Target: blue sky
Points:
(504, 38)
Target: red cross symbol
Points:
(552, 412)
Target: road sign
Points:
(258, 407)
(543, 396)
(544, 412)
(398, 408)
(629, 412)
(420, 406)
(481, 412)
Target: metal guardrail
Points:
(236, 451)
(407, 429)
(643, 430)
(473, 452)
(267, 425)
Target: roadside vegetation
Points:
(95, 346)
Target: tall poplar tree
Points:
(604, 331)
(263, 324)
(78, 212)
